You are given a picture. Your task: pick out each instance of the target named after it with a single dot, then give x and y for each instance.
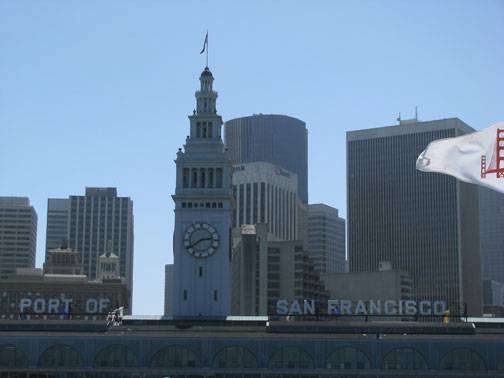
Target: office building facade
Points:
(272, 138)
(267, 271)
(58, 210)
(491, 205)
(99, 221)
(18, 235)
(267, 194)
(326, 238)
(426, 224)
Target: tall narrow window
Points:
(194, 182)
(255, 207)
(202, 182)
(215, 295)
(241, 204)
(219, 178)
(204, 134)
(198, 129)
(248, 207)
(200, 271)
(263, 202)
(185, 177)
(210, 130)
(185, 295)
(210, 177)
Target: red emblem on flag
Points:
(497, 159)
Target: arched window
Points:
(348, 358)
(10, 355)
(60, 356)
(116, 356)
(290, 358)
(235, 357)
(462, 359)
(175, 356)
(404, 359)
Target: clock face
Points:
(201, 240)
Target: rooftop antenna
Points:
(416, 113)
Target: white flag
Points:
(477, 158)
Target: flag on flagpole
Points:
(477, 158)
(204, 44)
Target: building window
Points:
(175, 356)
(210, 177)
(194, 182)
(404, 359)
(348, 358)
(185, 295)
(201, 271)
(185, 177)
(248, 204)
(219, 178)
(202, 182)
(235, 357)
(198, 129)
(210, 130)
(263, 202)
(215, 295)
(462, 359)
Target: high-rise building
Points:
(426, 224)
(58, 210)
(272, 138)
(18, 235)
(267, 271)
(203, 212)
(101, 221)
(326, 238)
(266, 193)
(491, 206)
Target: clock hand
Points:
(199, 241)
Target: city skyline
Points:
(91, 99)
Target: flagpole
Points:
(207, 50)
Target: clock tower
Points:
(203, 204)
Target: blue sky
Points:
(96, 93)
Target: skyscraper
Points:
(18, 235)
(266, 193)
(57, 222)
(272, 138)
(101, 221)
(492, 237)
(203, 206)
(424, 223)
(326, 238)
